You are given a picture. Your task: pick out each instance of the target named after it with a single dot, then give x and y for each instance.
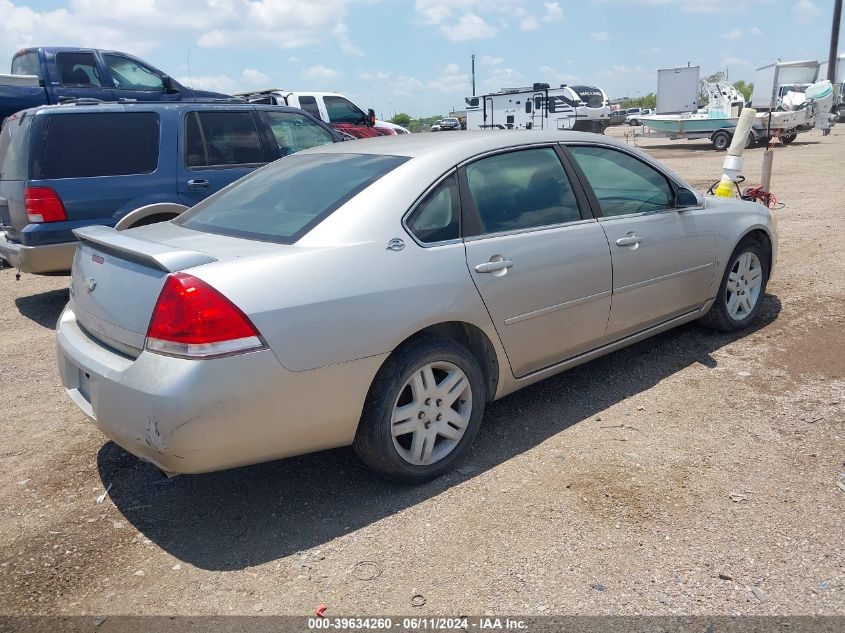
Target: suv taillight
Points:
(43, 205)
(193, 320)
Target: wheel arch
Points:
(474, 339)
(760, 235)
(168, 210)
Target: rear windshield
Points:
(14, 157)
(82, 145)
(26, 64)
(285, 200)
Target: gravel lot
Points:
(693, 473)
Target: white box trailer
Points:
(677, 89)
(789, 76)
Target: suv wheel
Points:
(423, 411)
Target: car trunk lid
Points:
(117, 276)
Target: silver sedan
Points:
(380, 293)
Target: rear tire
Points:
(721, 141)
(437, 432)
(742, 286)
(633, 123)
(786, 139)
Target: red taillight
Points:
(43, 205)
(193, 319)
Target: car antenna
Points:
(190, 77)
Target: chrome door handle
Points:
(197, 185)
(630, 240)
(493, 266)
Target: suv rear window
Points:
(214, 139)
(83, 145)
(13, 145)
(286, 199)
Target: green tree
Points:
(646, 101)
(744, 88)
(402, 119)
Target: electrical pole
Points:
(834, 41)
(473, 62)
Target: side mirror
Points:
(371, 117)
(167, 84)
(686, 198)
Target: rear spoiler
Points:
(146, 252)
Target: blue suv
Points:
(127, 164)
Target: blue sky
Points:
(414, 56)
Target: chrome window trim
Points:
(530, 229)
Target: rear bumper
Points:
(49, 258)
(191, 416)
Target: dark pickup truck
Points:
(48, 75)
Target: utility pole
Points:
(834, 41)
(473, 62)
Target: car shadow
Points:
(248, 516)
(44, 308)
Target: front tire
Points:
(742, 289)
(422, 412)
(721, 141)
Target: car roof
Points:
(467, 143)
(154, 106)
(460, 146)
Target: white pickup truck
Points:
(331, 107)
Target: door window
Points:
(309, 104)
(222, 138)
(521, 190)
(103, 144)
(622, 183)
(294, 132)
(127, 74)
(78, 70)
(342, 110)
(436, 217)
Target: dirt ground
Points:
(693, 473)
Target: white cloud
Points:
(250, 75)
(469, 27)
(733, 60)
(733, 34)
(553, 12)
(529, 23)
(489, 60)
(600, 36)
(755, 31)
(293, 60)
(806, 10)
(320, 73)
(140, 26)
(379, 75)
(451, 79)
(215, 83)
(554, 77)
(503, 78)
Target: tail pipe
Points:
(733, 161)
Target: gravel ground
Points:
(694, 473)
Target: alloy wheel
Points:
(743, 288)
(431, 413)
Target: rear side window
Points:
(285, 200)
(78, 70)
(14, 142)
(216, 139)
(309, 104)
(521, 190)
(436, 217)
(101, 144)
(342, 110)
(26, 64)
(622, 183)
(294, 132)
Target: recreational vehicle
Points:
(539, 107)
